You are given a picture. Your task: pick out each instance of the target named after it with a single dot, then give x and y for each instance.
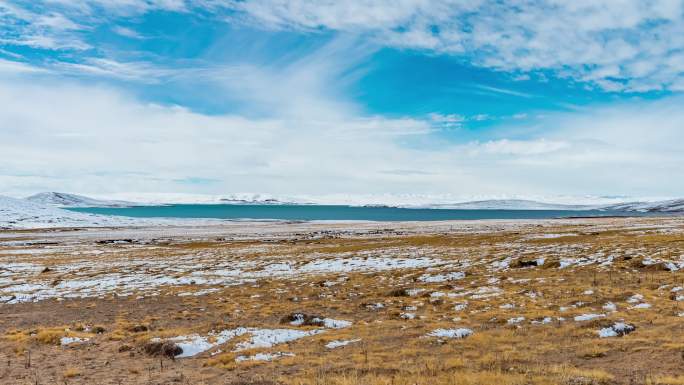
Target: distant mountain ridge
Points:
(668, 206)
(45, 210)
(22, 213)
(510, 204)
(73, 200)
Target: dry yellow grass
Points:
(666, 380)
(522, 317)
(71, 372)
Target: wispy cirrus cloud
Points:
(631, 45)
(299, 128)
(13, 67)
(627, 45)
(143, 72)
(63, 25)
(127, 32)
(56, 131)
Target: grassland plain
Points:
(582, 301)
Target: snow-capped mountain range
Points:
(668, 206)
(45, 209)
(72, 200)
(59, 199)
(509, 204)
(18, 213)
(22, 213)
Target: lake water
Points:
(312, 212)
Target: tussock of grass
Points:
(50, 336)
(71, 372)
(666, 380)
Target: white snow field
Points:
(21, 213)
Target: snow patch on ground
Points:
(88, 278)
(454, 276)
(266, 338)
(264, 356)
(336, 324)
(588, 317)
(451, 333)
(195, 344)
(618, 329)
(551, 236)
(636, 298)
(543, 321)
(64, 341)
(339, 343)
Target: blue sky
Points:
(473, 99)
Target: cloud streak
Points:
(58, 133)
(628, 45)
(297, 130)
(624, 45)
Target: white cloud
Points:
(15, 67)
(120, 7)
(45, 30)
(127, 32)
(617, 45)
(519, 147)
(504, 91)
(75, 133)
(55, 21)
(307, 137)
(60, 24)
(142, 72)
(57, 134)
(620, 45)
(447, 120)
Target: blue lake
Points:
(314, 212)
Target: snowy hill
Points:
(21, 214)
(436, 201)
(509, 204)
(72, 200)
(157, 199)
(669, 206)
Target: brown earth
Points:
(608, 260)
